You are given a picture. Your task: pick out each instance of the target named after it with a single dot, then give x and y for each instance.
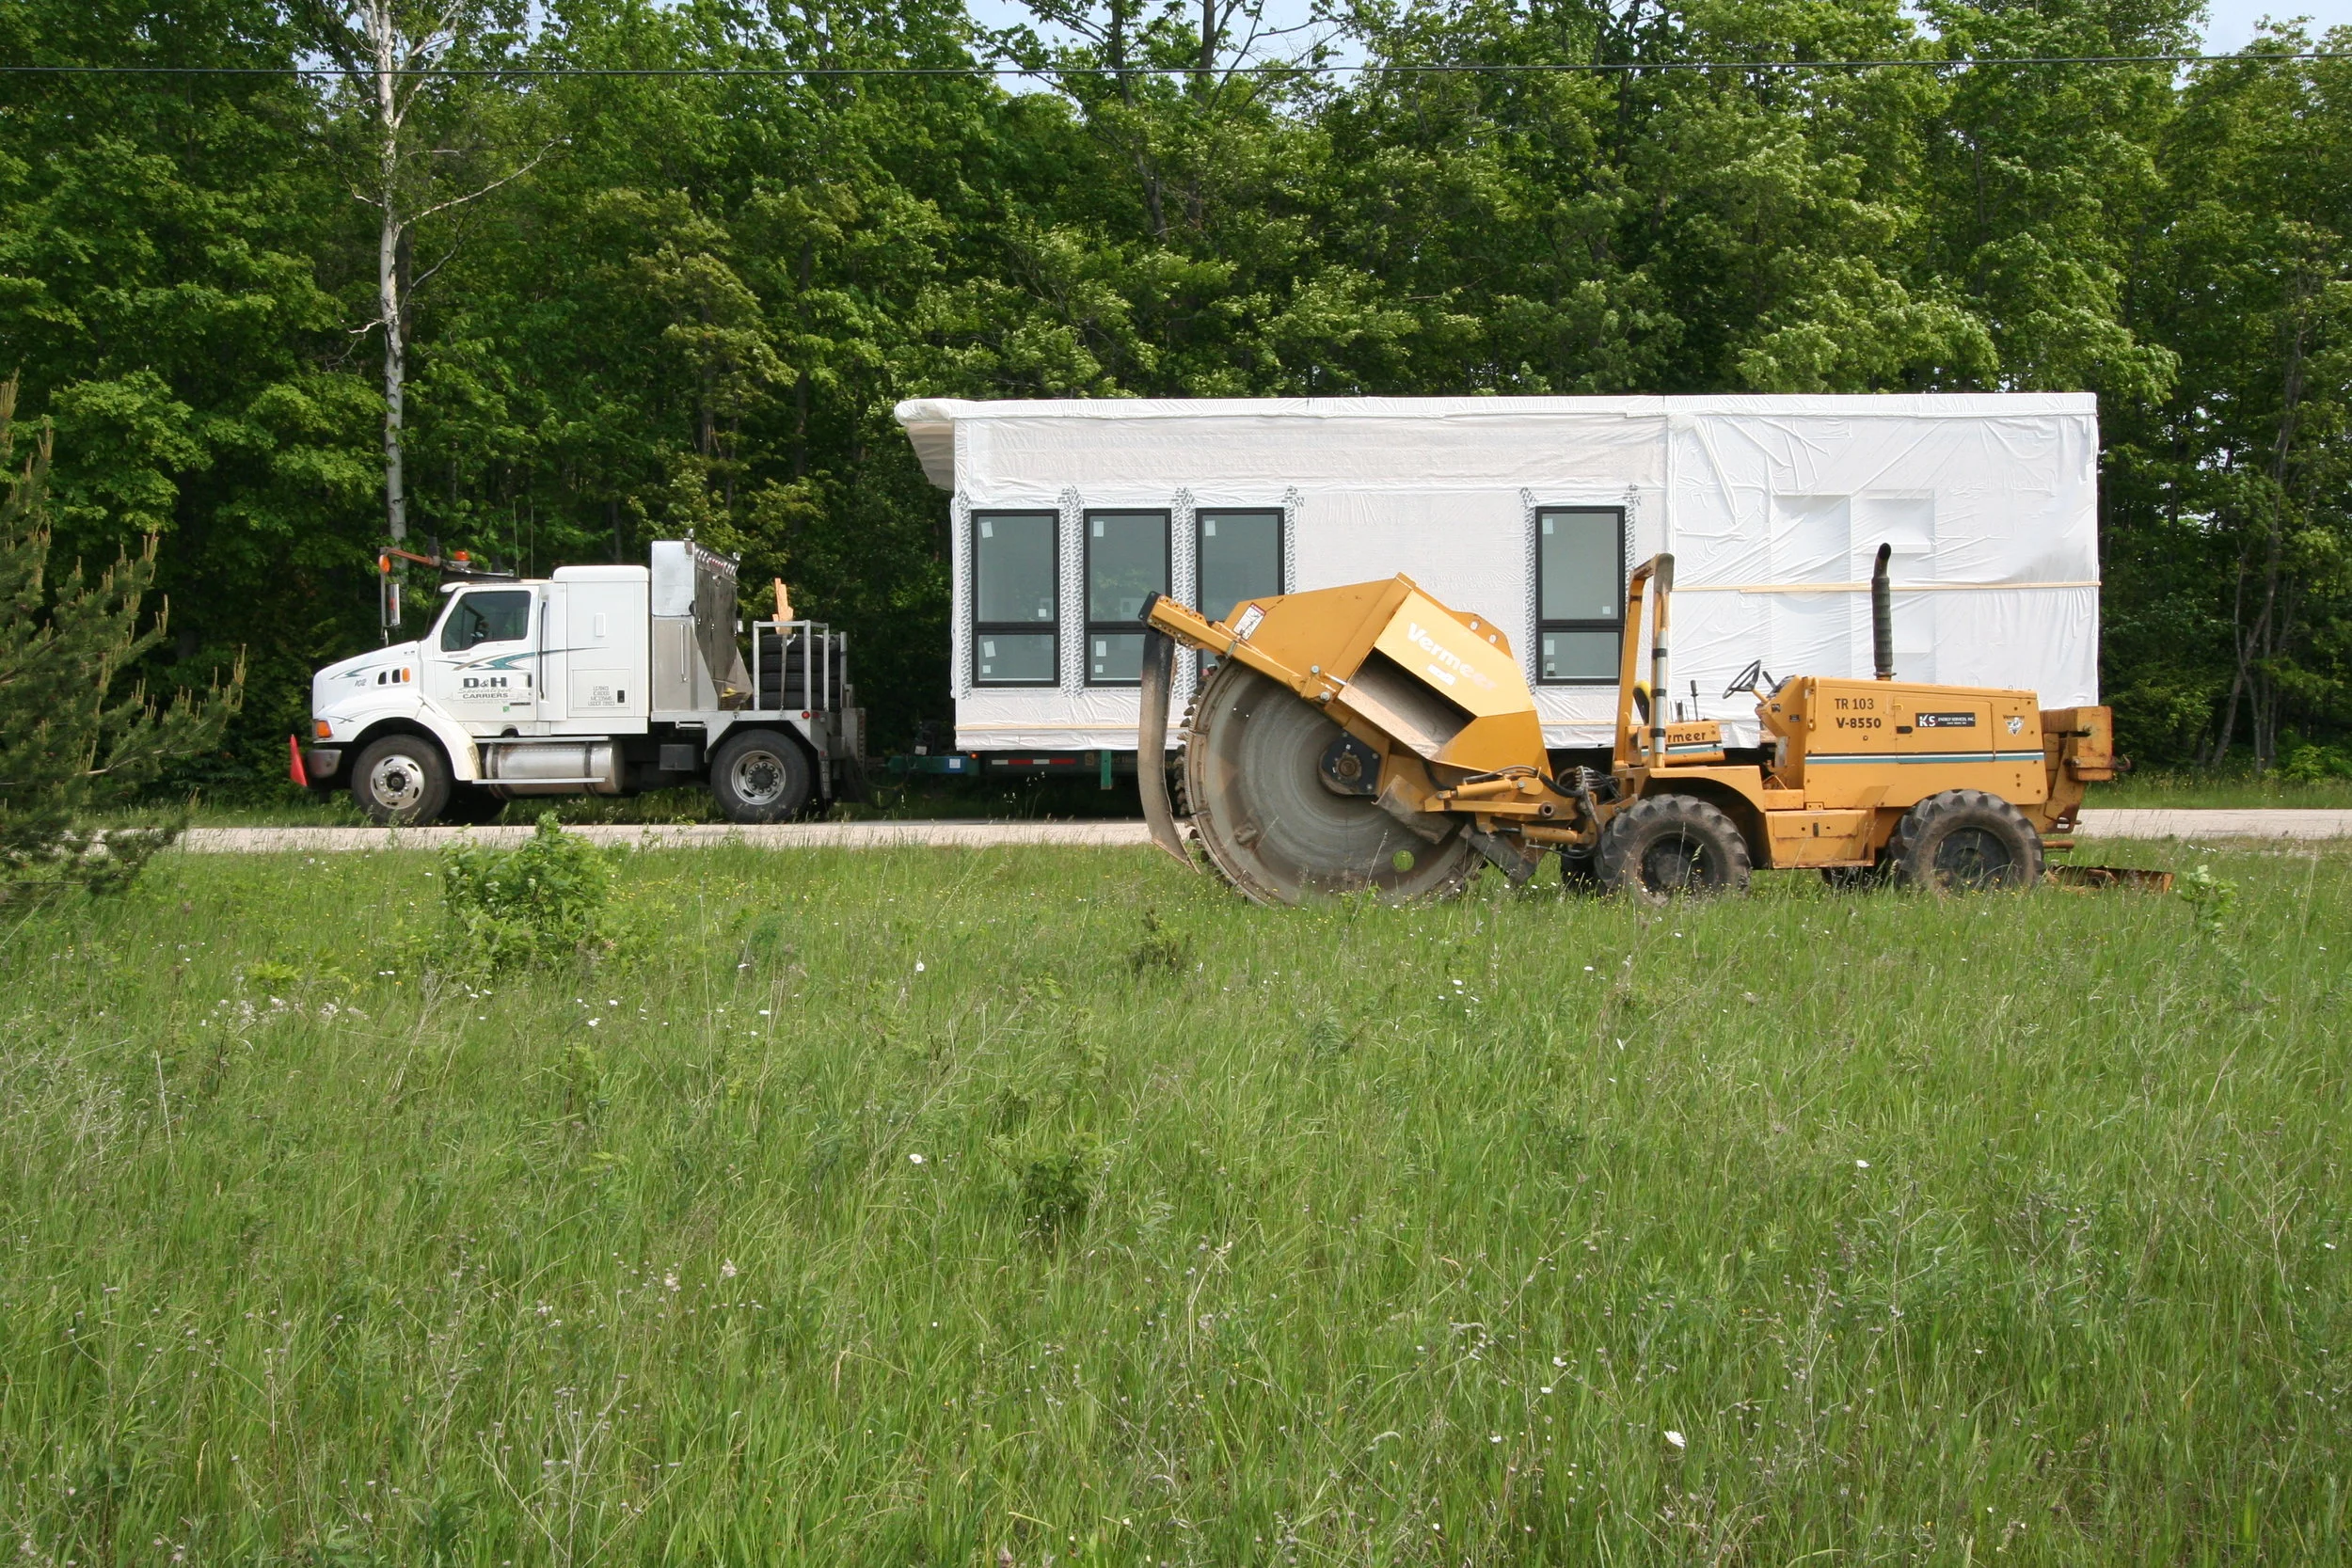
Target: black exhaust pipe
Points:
(1882, 616)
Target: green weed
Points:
(542, 901)
(1160, 950)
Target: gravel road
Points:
(2201, 826)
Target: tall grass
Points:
(986, 1207)
(2236, 789)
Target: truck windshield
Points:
(503, 616)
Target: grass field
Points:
(1014, 1207)
(2199, 791)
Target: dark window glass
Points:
(1126, 564)
(1579, 656)
(1014, 565)
(1016, 598)
(1241, 557)
(503, 616)
(1114, 657)
(1017, 658)
(1580, 595)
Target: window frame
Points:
(1282, 515)
(1089, 624)
(439, 634)
(1617, 624)
(1051, 627)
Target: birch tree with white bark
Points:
(404, 66)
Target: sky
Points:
(2232, 22)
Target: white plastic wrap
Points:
(1773, 507)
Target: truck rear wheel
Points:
(1666, 845)
(759, 776)
(1964, 841)
(401, 779)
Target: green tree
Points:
(169, 249)
(2231, 505)
(78, 733)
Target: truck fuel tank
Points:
(515, 769)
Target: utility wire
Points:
(1311, 69)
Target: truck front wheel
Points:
(759, 776)
(401, 779)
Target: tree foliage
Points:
(74, 739)
(696, 309)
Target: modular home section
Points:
(1069, 514)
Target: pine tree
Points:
(70, 744)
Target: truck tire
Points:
(402, 779)
(1667, 846)
(1964, 841)
(759, 776)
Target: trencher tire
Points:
(1665, 847)
(1964, 841)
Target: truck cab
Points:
(603, 680)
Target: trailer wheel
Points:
(401, 779)
(1964, 841)
(1667, 846)
(759, 776)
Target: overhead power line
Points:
(1310, 68)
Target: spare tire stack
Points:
(782, 664)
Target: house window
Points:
(1579, 592)
(1126, 564)
(1016, 600)
(1240, 556)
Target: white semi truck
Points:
(599, 680)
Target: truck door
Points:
(481, 667)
